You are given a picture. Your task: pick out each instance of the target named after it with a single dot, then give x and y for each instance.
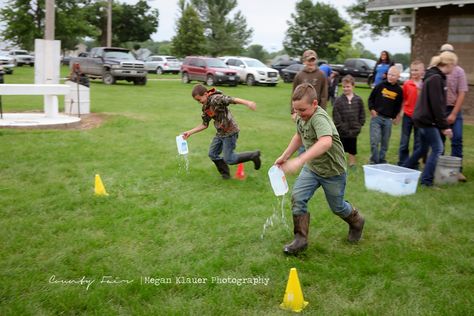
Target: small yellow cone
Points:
(293, 299)
(99, 188)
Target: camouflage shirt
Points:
(217, 108)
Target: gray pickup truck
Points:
(111, 64)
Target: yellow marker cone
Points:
(293, 299)
(99, 188)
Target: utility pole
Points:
(109, 24)
(49, 24)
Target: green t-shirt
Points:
(332, 162)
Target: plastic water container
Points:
(278, 180)
(391, 179)
(447, 170)
(182, 145)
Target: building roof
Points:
(380, 5)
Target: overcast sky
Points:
(268, 18)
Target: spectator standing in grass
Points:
(456, 82)
(323, 163)
(313, 75)
(333, 85)
(326, 69)
(429, 115)
(381, 67)
(349, 117)
(78, 76)
(411, 89)
(385, 103)
(215, 106)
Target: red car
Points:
(211, 71)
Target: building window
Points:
(461, 29)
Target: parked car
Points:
(65, 60)
(283, 63)
(404, 76)
(359, 68)
(211, 71)
(289, 73)
(7, 63)
(22, 57)
(162, 64)
(252, 71)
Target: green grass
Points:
(416, 256)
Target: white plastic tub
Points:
(391, 179)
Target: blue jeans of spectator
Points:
(334, 188)
(380, 131)
(224, 145)
(456, 141)
(429, 138)
(404, 150)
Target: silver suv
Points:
(22, 57)
(162, 64)
(252, 71)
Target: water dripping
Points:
(183, 164)
(276, 217)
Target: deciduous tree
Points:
(24, 22)
(314, 26)
(375, 22)
(224, 35)
(189, 38)
(130, 23)
(256, 51)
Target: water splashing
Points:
(183, 164)
(276, 218)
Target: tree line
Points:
(203, 27)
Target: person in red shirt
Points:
(410, 95)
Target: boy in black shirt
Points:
(385, 103)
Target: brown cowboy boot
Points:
(356, 225)
(301, 227)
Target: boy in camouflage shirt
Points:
(323, 163)
(215, 106)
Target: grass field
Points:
(159, 221)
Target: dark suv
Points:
(212, 71)
(282, 64)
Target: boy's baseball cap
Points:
(309, 54)
(447, 48)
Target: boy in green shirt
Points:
(323, 165)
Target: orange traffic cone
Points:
(240, 174)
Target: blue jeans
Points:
(334, 187)
(456, 141)
(380, 131)
(429, 138)
(224, 144)
(404, 150)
